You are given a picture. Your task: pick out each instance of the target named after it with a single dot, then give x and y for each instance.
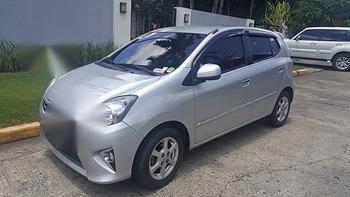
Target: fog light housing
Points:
(107, 156)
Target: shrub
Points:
(85, 53)
(16, 59)
(277, 15)
(9, 58)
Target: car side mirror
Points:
(297, 38)
(209, 72)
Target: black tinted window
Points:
(310, 35)
(261, 48)
(334, 35)
(228, 53)
(160, 52)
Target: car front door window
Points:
(226, 52)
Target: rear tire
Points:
(280, 112)
(155, 166)
(341, 62)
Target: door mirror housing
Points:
(297, 38)
(209, 72)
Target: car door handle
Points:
(312, 43)
(339, 44)
(246, 82)
(280, 70)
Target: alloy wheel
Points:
(163, 158)
(342, 63)
(282, 110)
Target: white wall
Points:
(199, 18)
(46, 22)
(121, 23)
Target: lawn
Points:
(21, 93)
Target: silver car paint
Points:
(207, 110)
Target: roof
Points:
(209, 29)
(191, 29)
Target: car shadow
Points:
(204, 155)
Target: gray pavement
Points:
(310, 156)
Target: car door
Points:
(305, 45)
(329, 39)
(223, 104)
(268, 73)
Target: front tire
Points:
(341, 62)
(158, 158)
(280, 112)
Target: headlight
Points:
(116, 108)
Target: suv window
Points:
(263, 47)
(334, 35)
(227, 52)
(312, 34)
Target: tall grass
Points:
(86, 53)
(16, 59)
(9, 58)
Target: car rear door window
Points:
(334, 35)
(312, 35)
(261, 48)
(226, 52)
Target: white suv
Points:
(323, 46)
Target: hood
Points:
(89, 83)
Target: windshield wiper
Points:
(137, 67)
(127, 67)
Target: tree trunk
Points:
(221, 6)
(191, 4)
(215, 6)
(180, 3)
(251, 8)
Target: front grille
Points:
(63, 138)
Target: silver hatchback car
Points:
(136, 112)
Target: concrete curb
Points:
(18, 132)
(304, 71)
(24, 131)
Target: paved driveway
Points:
(310, 156)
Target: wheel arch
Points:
(168, 124)
(290, 92)
(339, 52)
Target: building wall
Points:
(122, 23)
(56, 21)
(200, 18)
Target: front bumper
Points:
(89, 140)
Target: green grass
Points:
(297, 67)
(21, 93)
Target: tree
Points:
(191, 4)
(215, 6)
(311, 13)
(251, 8)
(277, 15)
(221, 6)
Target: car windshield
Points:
(157, 53)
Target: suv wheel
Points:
(341, 62)
(280, 112)
(158, 158)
